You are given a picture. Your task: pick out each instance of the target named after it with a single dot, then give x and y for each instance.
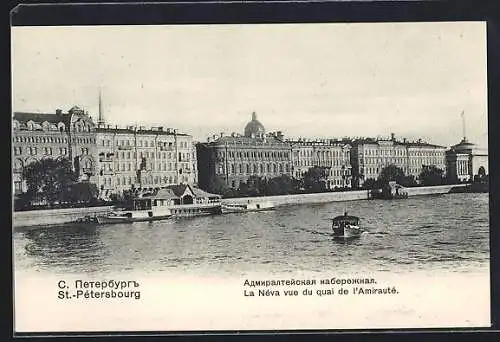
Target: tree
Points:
(49, 180)
(314, 179)
(391, 173)
(83, 192)
(431, 175)
(408, 181)
(217, 185)
(281, 185)
(371, 184)
(256, 186)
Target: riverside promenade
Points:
(341, 196)
(35, 218)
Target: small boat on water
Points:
(172, 202)
(250, 206)
(390, 191)
(141, 209)
(346, 226)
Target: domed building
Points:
(234, 158)
(466, 160)
(254, 129)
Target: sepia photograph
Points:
(243, 177)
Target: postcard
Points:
(242, 177)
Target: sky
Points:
(307, 80)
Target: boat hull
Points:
(243, 208)
(119, 219)
(347, 232)
(191, 210)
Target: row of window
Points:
(254, 169)
(160, 155)
(402, 152)
(144, 143)
(149, 166)
(48, 151)
(18, 163)
(376, 170)
(44, 126)
(128, 181)
(402, 161)
(323, 154)
(48, 140)
(313, 162)
(254, 154)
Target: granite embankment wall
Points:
(340, 196)
(63, 216)
(53, 216)
(304, 198)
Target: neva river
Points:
(443, 232)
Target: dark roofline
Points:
(396, 142)
(230, 139)
(40, 117)
(139, 131)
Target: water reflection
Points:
(440, 231)
(65, 246)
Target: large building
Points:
(332, 155)
(113, 158)
(53, 135)
(234, 158)
(370, 156)
(140, 158)
(465, 160)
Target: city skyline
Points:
(350, 80)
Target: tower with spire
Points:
(463, 127)
(100, 120)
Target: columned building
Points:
(332, 155)
(234, 158)
(465, 160)
(369, 156)
(37, 136)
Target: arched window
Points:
(18, 165)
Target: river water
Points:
(448, 232)
(192, 273)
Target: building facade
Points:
(139, 158)
(113, 158)
(465, 160)
(36, 136)
(332, 155)
(235, 158)
(370, 156)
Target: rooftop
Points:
(139, 130)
